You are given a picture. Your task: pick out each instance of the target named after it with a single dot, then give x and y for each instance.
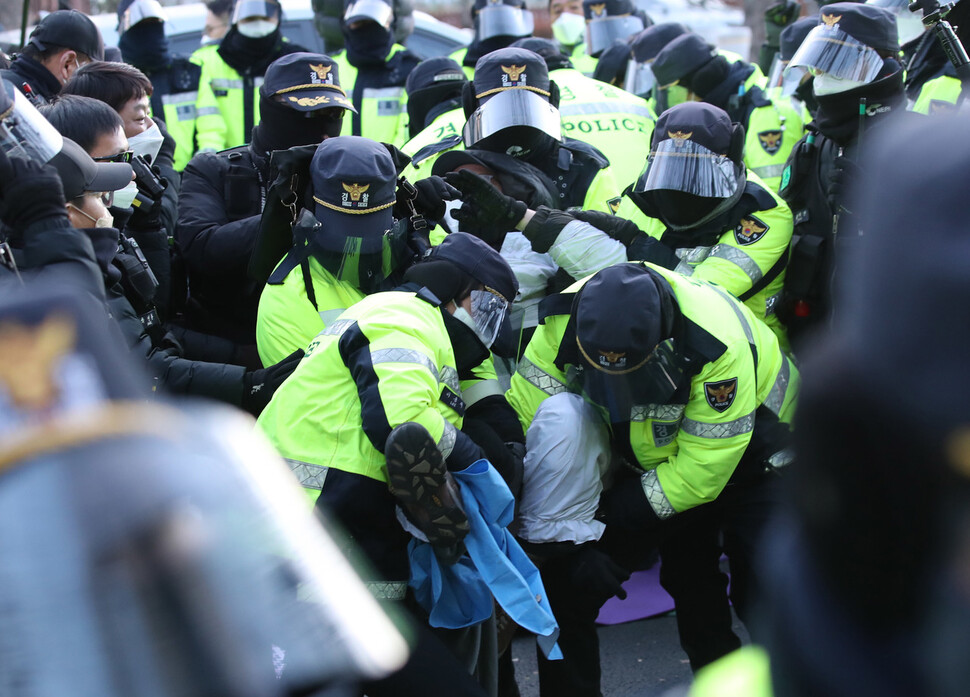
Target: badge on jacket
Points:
(749, 230)
(720, 395)
(770, 141)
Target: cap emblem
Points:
(679, 138)
(613, 359)
(31, 358)
(356, 196)
(514, 75)
(320, 74)
(831, 20)
(598, 11)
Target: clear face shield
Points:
(601, 33)
(372, 10)
(679, 164)
(513, 107)
(140, 11)
(615, 394)
(173, 553)
(639, 78)
(24, 132)
(831, 51)
(489, 312)
(503, 20)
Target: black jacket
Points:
(43, 85)
(220, 206)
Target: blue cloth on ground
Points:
(461, 594)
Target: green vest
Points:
(582, 61)
(615, 122)
(439, 136)
(459, 57)
(382, 109)
(219, 109)
(386, 360)
(938, 95)
(688, 450)
(742, 257)
(745, 672)
(770, 134)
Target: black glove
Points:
(777, 17)
(259, 385)
(485, 212)
(625, 506)
(432, 193)
(843, 175)
(596, 573)
(29, 192)
(620, 229)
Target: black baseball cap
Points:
(681, 57)
(651, 41)
(434, 72)
(79, 173)
(306, 82)
(510, 69)
(478, 260)
(868, 24)
(354, 186)
(69, 29)
(547, 48)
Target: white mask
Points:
(829, 84)
(256, 29)
(124, 197)
(104, 221)
(147, 143)
(569, 28)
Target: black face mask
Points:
(680, 209)
(469, 349)
(281, 128)
(838, 114)
(247, 55)
(145, 46)
(521, 142)
(368, 45)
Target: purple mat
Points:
(645, 598)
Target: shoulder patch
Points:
(770, 141)
(720, 395)
(614, 204)
(749, 230)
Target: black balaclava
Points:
(247, 55)
(367, 45)
(838, 114)
(281, 128)
(145, 46)
(427, 104)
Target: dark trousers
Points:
(690, 550)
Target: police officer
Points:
(512, 108)
(232, 72)
(59, 44)
(852, 52)
(497, 24)
(569, 30)
(434, 112)
(175, 79)
(390, 359)
(375, 68)
(614, 122)
(222, 196)
(218, 15)
(793, 84)
(693, 396)
(612, 21)
(840, 562)
(772, 127)
(723, 222)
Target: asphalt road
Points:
(639, 659)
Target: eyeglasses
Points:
(124, 157)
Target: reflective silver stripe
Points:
(666, 412)
(769, 171)
(447, 441)
(309, 475)
(224, 83)
(739, 259)
(782, 458)
(655, 495)
(180, 98)
(338, 327)
(728, 429)
(383, 92)
(615, 108)
(683, 268)
(387, 590)
(328, 317)
(776, 397)
(480, 390)
(448, 375)
(734, 303)
(539, 378)
(207, 111)
(693, 255)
